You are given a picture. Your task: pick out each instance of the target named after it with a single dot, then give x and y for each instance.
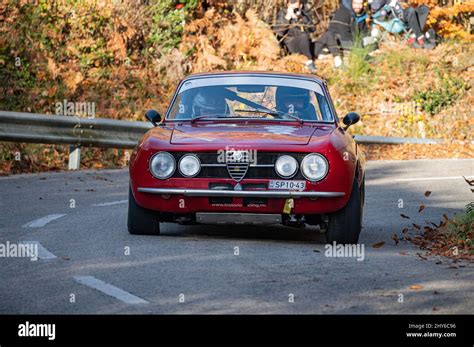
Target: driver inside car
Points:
(295, 101)
(209, 102)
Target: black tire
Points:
(344, 225)
(141, 221)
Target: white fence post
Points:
(74, 158)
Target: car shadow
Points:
(246, 232)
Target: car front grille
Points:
(237, 170)
(264, 167)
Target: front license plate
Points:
(287, 185)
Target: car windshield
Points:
(250, 97)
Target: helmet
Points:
(209, 102)
(292, 100)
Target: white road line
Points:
(430, 178)
(111, 203)
(101, 286)
(387, 180)
(41, 222)
(43, 253)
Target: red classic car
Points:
(249, 148)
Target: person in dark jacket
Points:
(347, 23)
(293, 27)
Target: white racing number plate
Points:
(287, 185)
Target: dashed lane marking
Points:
(41, 222)
(43, 253)
(111, 203)
(101, 286)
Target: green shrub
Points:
(462, 226)
(168, 23)
(434, 100)
(359, 72)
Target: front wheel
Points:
(344, 225)
(141, 221)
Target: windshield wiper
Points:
(211, 116)
(273, 113)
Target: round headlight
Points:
(314, 167)
(286, 166)
(162, 165)
(189, 165)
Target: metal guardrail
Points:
(71, 130)
(383, 140)
(107, 133)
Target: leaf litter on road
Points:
(378, 244)
(396, 239)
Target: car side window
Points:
(324, 107)
(316, 106)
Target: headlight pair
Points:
(314, 166)
(163, 165)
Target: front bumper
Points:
(240, 193)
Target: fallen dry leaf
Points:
(422, 257)
(52, 91)
(427, 193)
(378, 244)
(396, 239)
(422, 207)
(470, 182)
(416, 287)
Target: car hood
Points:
(247, 134)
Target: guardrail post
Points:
(74, 158)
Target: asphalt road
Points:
(90, 264)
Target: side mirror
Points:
(153, 116)
(350, 118)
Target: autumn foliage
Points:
(450, 22)
(127, 57)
